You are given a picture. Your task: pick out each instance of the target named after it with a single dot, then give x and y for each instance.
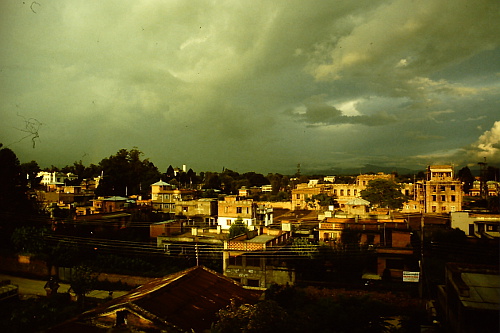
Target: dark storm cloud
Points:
(261, 85)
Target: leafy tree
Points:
(83, 280)
(32, 240)
(237, 228)
(256, 179)
(278, 182)
(492, 173)
(303, 247)
(384, 193)
(29, 240)
(265, 316)
(31, 169)
(126, 173)
(12, 183)
(211, 180)
(345, 180)
(322, 199)
(466, 177)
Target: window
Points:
(443, 188)
(341, 193)
(490, 227)
(252, 283)
(297, 196)
(236, 261)
(335, 192)
(228, 222)
(348, 192)
(238, 210)
(252, 261)
(443, 198)
(434, 208)
(433, 198)
(443, 208)
(452, 187)
(355, 192)
(452, 198)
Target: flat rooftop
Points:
(261, 239)
(484, 292)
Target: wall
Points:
(25, 265)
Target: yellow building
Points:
(440, 192)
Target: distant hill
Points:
(361, 170)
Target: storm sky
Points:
(252, 85)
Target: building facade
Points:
(234, 207)
(165, 198)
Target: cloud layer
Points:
(252, 86)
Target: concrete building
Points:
(55, 178)
(478, 225)
(255, 261)
(363, 180)
(491, 187)
(439, 193)
(343, 193)
(470, 299)
(442, 193)
(388, 238)
(252, 214)
(165, 198)
(198, 212)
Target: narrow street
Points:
(31, 287)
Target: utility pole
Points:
(197, 255)
(421, 277)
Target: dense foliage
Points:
(290, 309)
(237, 228)
(384, 193)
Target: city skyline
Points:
(254, 86)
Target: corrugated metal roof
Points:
(188, 299)
(358, 202)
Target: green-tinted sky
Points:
(252, 85)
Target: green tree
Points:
(83, 280)
(384, 193)
(322, 200)
(466, 177)
(31, 170)
(12, 183)
(30, 240)
(265, 316)
(303, 247)
(237, 228)
(125, 173)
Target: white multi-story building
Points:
(55, 178)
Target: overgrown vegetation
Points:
(290, 309)
(37, 314)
